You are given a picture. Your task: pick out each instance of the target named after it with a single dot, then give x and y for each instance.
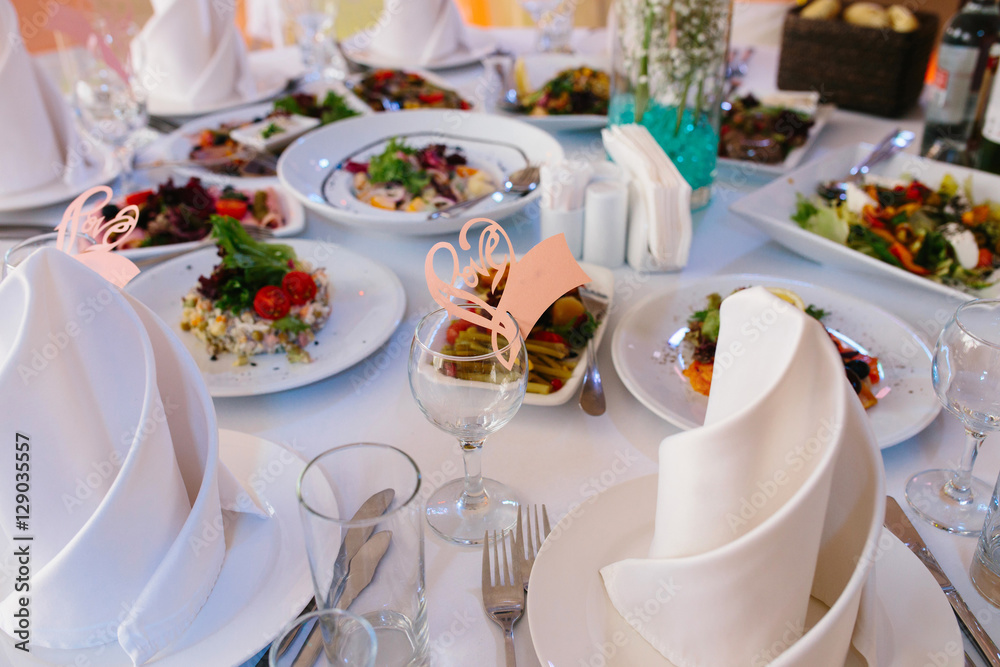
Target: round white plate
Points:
(308, 168)
(106, 169)
(573, 621)
(649, 354)
(479, 44)
(601, 280)
(264, 582)
(176, 146)
(367, 305)
(794, 157)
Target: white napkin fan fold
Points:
(419, 32)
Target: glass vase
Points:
(668, 75)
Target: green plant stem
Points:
(642, 89)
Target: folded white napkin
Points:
(418, 32)
(122, 442)
(190, 55)
(659, 201)
(779, 496)
(39, 143)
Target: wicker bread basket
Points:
(874, 70)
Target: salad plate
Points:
(263, 583)
(573, 622)
(367, 305)
(650, 353)
(770, 208)
(314, 168)
(106, 168)
(407, 89)
(795, 156)
(478, 45)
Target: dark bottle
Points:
(962, 58)
(987, 144)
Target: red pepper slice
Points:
(382, 74)
(905, 257)
(138, 198)
(548, 337)
(432, 97)
(455, 328)
(985, 258)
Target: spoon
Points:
(592, 396)
(521, 181)
(893, 143)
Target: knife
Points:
(900, 526)
(362, 570)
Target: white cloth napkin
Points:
(39, 143)
(659, 201)
(418, 32)
(126, 520)
(190, 56)
(779, 496)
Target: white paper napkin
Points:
(418, 32)
(191, 55)
(126, 516)
(39, 143)
(659, 202)
(747, 527)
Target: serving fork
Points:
(526, 544)
(503, 589)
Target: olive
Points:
(854, 379)
(860, 368)
(109, 212)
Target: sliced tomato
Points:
(463, 105)
(272, 302)
(300, 287)
(455, 328)
(548, 337)
(432, 97)
(138, 198)
(234, 208)
(382, 74)
(985, 258)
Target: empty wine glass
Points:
(462, 388)
(966, 375)
(554, 19)
(315, 23)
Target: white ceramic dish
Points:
(794, 157)
(601, 280)
(770, 209)
(573, 621)
(263, 584)
(543, 67)
(273, 135)
(308, 168)
(106, 169)
(479, 44)
(428, 76)
(367, 303)
(649, 354)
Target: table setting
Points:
(274, 295)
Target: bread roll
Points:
(821, 9)
(902, 19)
(867, 14)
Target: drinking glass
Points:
(469, 397)
(348, 640)
(363, 522)
(554, 19)
(315, 24)
(20, 252)
(966, 375)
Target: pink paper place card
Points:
(81, 219)
(534, 282)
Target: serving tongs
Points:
(893, 143)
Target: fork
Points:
(256, 232)
(592, 395)
(534, 542)
(503, 593)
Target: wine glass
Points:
(315, 24)
(966, 374)
(463, 389)
(554, 19)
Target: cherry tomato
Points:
(548, 337)
(299, 286)
(271, 302)
(234, 208)
(465, 106)
(556, 384)
(456, 327)
(138, 198)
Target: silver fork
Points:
(592, 395)
(255, 232)
(527, 544)
(503, 592)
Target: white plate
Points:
(264, 582)
(601, 280)
(479, 44)
(292, 211)
(649, 355)
(427, 76)
(106, 170)
(572, 619)
(794, 157)
(542, 68)
(367, 303)
(177, 145)
(502, 145)
(770, 209)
